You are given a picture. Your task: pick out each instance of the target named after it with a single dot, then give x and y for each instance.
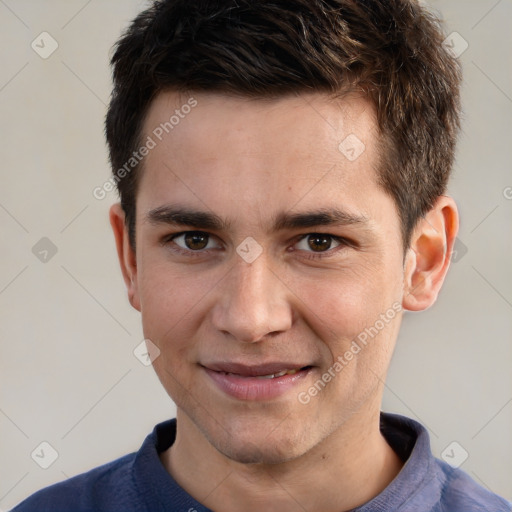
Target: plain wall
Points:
(67, 369)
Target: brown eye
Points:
(320, 245)
(193, 241)
(319, 242)
(196, 240)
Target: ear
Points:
(126, 254)
(429, 254)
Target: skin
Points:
(247, 161)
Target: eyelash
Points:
(311, 256)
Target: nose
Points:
(252, 303)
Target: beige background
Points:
(67, 369)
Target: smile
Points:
(270, 375)
(256, 383)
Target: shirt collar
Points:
(408, 438)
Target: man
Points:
(282, 168)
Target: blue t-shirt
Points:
(139, 482)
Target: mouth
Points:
(275, 375)
(260, 382)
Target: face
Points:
(264, 248)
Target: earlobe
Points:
(126, 254)
(428, 257)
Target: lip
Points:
(244, 382)
(246, 370)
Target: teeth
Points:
(278, 374)
(270, 375)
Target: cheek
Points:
(342, 303)
(169, 301)
(166, 286)
(169, 306)
(357, 317)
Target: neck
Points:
(347, 469)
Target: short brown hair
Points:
(391, 50)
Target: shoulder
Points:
(133, 483)
(425, 482)
(107, 487)
(460, 493)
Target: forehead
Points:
(301, 120)
(210, 149)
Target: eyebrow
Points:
(176, 215)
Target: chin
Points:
(253, 454)
(265, 448)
